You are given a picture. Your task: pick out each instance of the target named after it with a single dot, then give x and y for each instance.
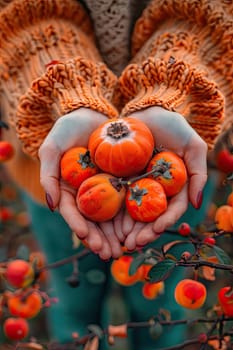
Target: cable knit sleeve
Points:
(49, 66)
(182, 61)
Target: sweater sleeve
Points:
(182, 61)
(49, 66)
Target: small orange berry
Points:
(16, 328)
(184, 229)
(190, 294)
(7, 151)
(209, 240)
(143, 271)
(152, 290)
(120, 271)
(19, 273)
(224, 218)
(225, 297)
(26, 306)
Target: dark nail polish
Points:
(49, 201)
(159, 233)
(130, 250)
(199, 199)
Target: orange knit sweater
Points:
(182, 60)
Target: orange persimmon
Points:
(100, 197)
(145, 200)
(121, 146)
(76, 166)
(152, 290)
(169, 170)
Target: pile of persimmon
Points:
(119, 167)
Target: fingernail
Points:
(140, 246)
(130, 250)
(49, 201)
(199, 199)
(159, 233)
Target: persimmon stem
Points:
(157, 169)
(64, 261)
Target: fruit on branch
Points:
(190, 294)
(100, 197)
(120, 271)
(27, 304)
(209, 240)
(144, 271)
(224, 217)
(76, 166)
(184, 229)
(122, 146)
(16, 328)
(224, 161)
(19, 273)
(152, 290)
(7, 151)
(6, 214)
(145, 200)
(169, 170)
(225, 297)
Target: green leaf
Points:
(221, 255)
(136, 263)
(161, 270)
(95, 276)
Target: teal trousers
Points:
(87, 303)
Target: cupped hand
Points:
(74, 129)
(172, 132)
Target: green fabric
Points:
(78, 307)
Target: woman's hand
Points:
(173, 132)
(72, 130)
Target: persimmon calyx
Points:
(137, 193)
(117, 183)
(85, 160)
(117, 130)
(162, 167)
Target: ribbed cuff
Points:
(63, 88)
(175, 86)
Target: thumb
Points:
(50, 174)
